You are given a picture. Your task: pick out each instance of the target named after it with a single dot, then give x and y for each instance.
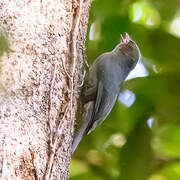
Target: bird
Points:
(102, 85)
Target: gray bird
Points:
(102, 84)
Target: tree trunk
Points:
(41, 61)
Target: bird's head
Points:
(129, 48)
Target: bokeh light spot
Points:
(127, 98)
(143, 13)
(174, 28)
(150, 122)
(139, 71)
(118, 140)
(94, 157)
(94, 33)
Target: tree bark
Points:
(41, 61)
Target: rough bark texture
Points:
(41, 61)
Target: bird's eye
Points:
(130, 43)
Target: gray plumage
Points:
(102, 85)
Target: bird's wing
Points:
(96, 107)
(91, 109)
(104, 103)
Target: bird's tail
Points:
(86, 118)
(78, 137)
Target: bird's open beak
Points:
(127, 38)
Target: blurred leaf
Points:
(143, 13)
(172, 172)
(136, 156)
(144, 152)
(166, 140)
(157, 177)
(82, 168)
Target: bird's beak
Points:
(127, 38)
(122, 39)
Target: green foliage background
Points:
(125, 147)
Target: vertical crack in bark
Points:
(32, 161)
(73, 55)
(74, 35)
(47, 174)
